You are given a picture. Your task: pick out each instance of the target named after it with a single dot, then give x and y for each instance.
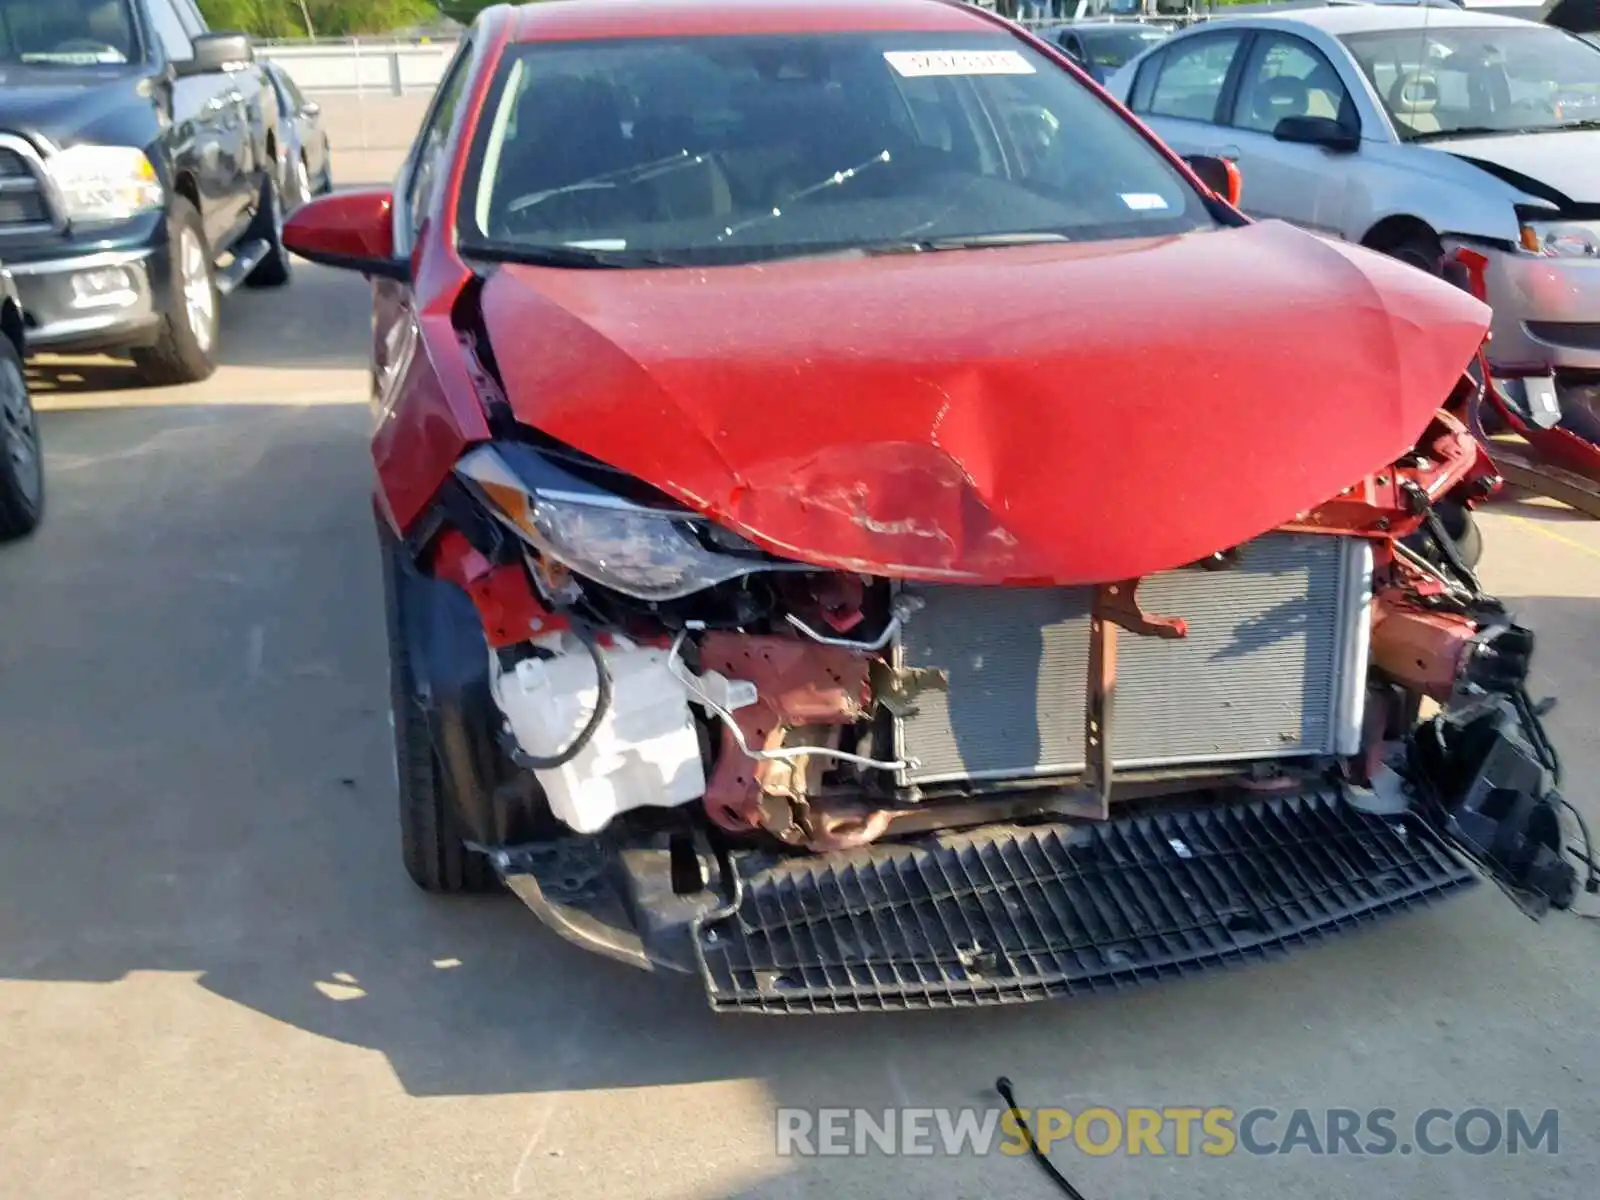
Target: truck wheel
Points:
(299, 183)
(21, 464)
(188, 341)
(430, 832)
(275, 269)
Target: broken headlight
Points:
(641, 551)
(1562, 239)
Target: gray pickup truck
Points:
(141, 169)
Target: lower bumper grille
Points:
(1008, 915)
(1273, 666)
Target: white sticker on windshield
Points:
(1144, 201)
(914, 63)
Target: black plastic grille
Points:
(1013, 914)
(21, 199)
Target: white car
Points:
(1420, 132)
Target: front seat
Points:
(1276, 98)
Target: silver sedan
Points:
(1421, 132)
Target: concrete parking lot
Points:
(216, 980)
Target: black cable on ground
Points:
(1591, 883)
(1003, 1086)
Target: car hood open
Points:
(1044, 414)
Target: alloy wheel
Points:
(199, 295)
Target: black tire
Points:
(1463, 529)
(277, 268)
(21, 459)
(1421, 249)
(183, 353)
(430, 831)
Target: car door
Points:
(199, 137)
(394, 327)
(307, 116)
(244, 118)
(1286, 76)
(1180, 92)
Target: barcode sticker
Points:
(1143, 201)
(914, 63)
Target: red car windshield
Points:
(709, 150)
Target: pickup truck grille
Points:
(24, 207)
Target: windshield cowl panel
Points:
(715, 151)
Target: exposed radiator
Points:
(1274, 666)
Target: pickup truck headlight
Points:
(1562, 239)
(647, 553)
(105, 183)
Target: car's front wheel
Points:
(21, 464)
(185, 351)
(431, 836)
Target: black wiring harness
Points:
(586, 634)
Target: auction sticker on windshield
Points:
(914, 63)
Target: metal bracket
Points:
(1116, 605)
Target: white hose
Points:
(684, 676)
(902, 607)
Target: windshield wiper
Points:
(969, 242)
(583, 257)
(1434, 135)
(637, 173)
(834, 180)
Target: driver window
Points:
(1288, 77)
(169, 28)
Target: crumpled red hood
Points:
(1041, 414)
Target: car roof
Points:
(1373, 18)
(559, 20)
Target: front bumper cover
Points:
(57, 320)
(998, 915)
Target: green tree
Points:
(329, 18)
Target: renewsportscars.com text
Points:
(1177, 1131)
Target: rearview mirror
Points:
(350, 230)
(1221, 175)
(1318, 131)
(215, 53)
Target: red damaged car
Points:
(866, 525)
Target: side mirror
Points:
(310, 109)
(350, 230)
(1318, 131)
(1221, 175)
(215, 53)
